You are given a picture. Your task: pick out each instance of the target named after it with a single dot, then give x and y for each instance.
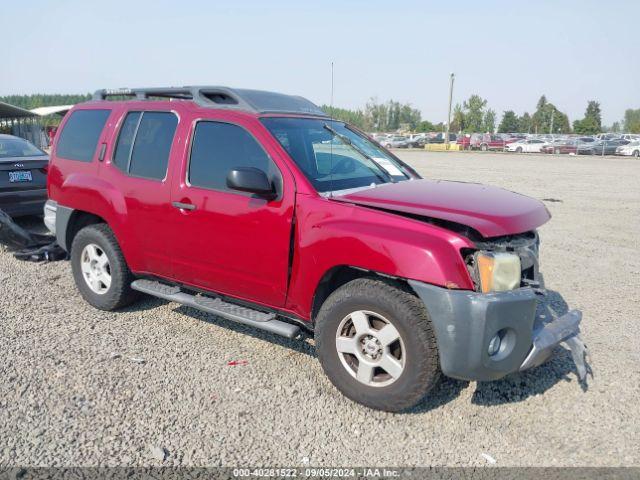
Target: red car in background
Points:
(487, 141)
(561, 146)
(483, 141)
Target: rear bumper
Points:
(465, 322)
(24, 202)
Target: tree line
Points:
(471, 116)
(30, 102)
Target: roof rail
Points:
(255, 101)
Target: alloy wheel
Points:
(370, 348)
(95, 267)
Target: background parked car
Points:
(465, 141)
(604, 147)
(417, 141)
(487, 142)
(23, 177)
(397, 141)
(439, 138)
(630, 137)
(530, 145)
(561, 146)
(632, 148)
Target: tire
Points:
(519, 150)
(98, 242)
(557, 151)
(636, 153)
(484, 148)
(415, 349)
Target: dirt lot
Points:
(84, 387)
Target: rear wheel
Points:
(519, 150)
(484, 147)
(636, 153)
(557, 151)
(376, 344)
(100, 270)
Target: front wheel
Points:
(519, 149)
(377, 345)
(484, 148)
(636, 153)
(100, 270)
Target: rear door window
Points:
(144, 144)
(80, 135)
(125, 141)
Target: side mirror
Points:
(252, 180)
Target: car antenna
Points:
(331, 142)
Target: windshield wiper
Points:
(347, 141)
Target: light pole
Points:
(446, 139)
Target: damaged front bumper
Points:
(528, 328)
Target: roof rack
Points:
(254, 101)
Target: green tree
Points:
(561, 123)
(548, 119)
(509, 123)
(474, 113)
(30, 102)
(44, 100)
(354, 117)
(592, 121)
(615, 127)
(426, 126)
(458, 122)
(384, 117)
(489, 121)
(632, 120)
(524, 123)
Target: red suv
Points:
(259, 208)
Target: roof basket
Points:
(255, 101)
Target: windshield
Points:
(333, 163)
(17, 147)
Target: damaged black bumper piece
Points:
(28, 245)
(487, 336)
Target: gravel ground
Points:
(151, 385)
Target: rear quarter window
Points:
(80, 135)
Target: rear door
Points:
(226, 241)
(137, 165)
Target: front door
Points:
(223, 240)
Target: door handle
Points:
(184, 206)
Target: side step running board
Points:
(216, 306)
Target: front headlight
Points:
(498, 272)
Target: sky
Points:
(508, 52)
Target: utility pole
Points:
(446, 139)
(551, 128)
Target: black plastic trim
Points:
(465, 322)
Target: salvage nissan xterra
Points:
(259, 208)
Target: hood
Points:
(491, 211)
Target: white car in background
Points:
(630, 149)
(632, 137)
(396, 141)
(530, 145)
